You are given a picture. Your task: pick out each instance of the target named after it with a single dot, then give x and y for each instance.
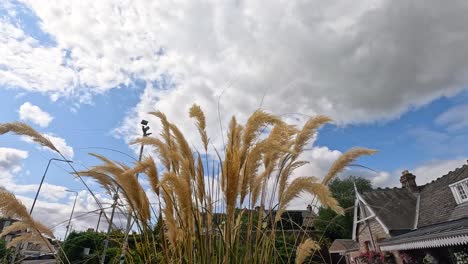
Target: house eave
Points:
(455, 240)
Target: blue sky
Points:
(88, 73)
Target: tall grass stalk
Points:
(225, 207)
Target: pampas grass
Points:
(23, 129)
(305, 249)
(307, 132)
(208, 217)
(197, 113)
(344, 160)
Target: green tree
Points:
(328, 221)
(76, 242)
(3, 250)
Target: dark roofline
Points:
(457, 229)
(436, 230)
(445, 175)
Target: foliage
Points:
(335, 226)
(76, 242)
(461, 256)
(429, 259)
(3, 249)
(373, 257)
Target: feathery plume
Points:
(307, 132)
(200, 180)
(106, 182)
(282, 182)
(166, 131)
(182, 191)
(161, 147)
(255, 122)
(23, 129)
(12, 207)
(344, 160)
(231, 166)
(15, 227)
(197, 113)
(134, 193)
(250, 169)
(309, 185)
(305, 249)
(170, 223)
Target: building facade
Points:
(412, 224)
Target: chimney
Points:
(408, 181)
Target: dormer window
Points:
(460, 191)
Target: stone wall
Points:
(378, 234)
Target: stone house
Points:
(413, 222)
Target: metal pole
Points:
(109, 229)
(42, 181)
(98, 222)
(145, 129)
(37, 194)
(71, 215)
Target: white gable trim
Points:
(356, 204)
(359, 198)
(416, 216)
(428, 243)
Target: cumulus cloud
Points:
(355, 62)
(11, 159)
(33, 113)
(30, 66)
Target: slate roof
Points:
(460, 211)
(396, 207)
(343, 246)
(437, 202)
(453, 228)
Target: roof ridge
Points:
(465, 166)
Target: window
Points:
(367, 245)
(460, 191)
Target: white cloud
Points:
(11, 159)
(425, 172)
(28, 65)
(454, 118)
(30, 112)
(356, 62)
